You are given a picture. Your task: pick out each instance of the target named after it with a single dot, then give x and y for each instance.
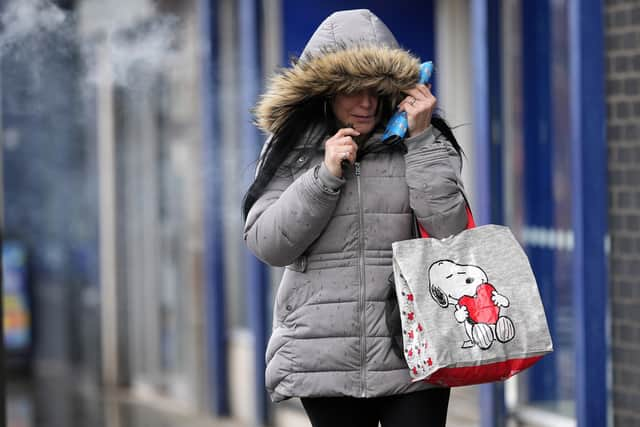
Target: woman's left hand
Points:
(419, 105)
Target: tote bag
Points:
(469, 306)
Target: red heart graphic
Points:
(480, 307)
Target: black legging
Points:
(426, 408)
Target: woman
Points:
(328, 201)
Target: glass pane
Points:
(237, 170)
(564, 401)
(550, 244)
(156, 172)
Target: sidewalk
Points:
(464, 409)
(62, 403)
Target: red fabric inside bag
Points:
(469, 375)
(470, 224)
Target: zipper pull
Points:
(357, 166)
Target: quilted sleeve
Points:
(435, 188)
(291, 214)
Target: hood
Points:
(350, 51)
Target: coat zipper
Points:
(363, 291)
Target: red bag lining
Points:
(470, 375)
(470, 223)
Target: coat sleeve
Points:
(435, 188)
(291, 214)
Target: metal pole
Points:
(249, 14)
(3, 388)
(216, 329)
(589, 191)
(491, 395)
(107, 220)
(539, 145)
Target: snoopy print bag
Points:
(469, 306)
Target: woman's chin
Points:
(364, 128)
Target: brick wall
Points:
(622, 34)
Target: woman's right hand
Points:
(339, 147)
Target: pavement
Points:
(63, 403)
(55, 402)
(464, 407)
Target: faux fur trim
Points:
(345, 70)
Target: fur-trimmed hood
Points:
(350, 51)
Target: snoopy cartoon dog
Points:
(477, 302)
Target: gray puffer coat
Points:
(334, 235)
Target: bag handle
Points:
(470, 223)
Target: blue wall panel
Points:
(589, 189)
(487, 139)
(250, 72)
(214, 252)
(538, 149)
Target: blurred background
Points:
(129, 298)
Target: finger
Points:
(345, 155)
(421, 93)
(345, 143)
(421, 105)
(407, 102)
(411, 109)
(340, 141)
(424, 90)
(351, 146)
(345, 140)
(347, 131)
(416, 93)
(340, 149)
(411, 99)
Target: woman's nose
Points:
(367, 98)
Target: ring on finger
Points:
(412, 101)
